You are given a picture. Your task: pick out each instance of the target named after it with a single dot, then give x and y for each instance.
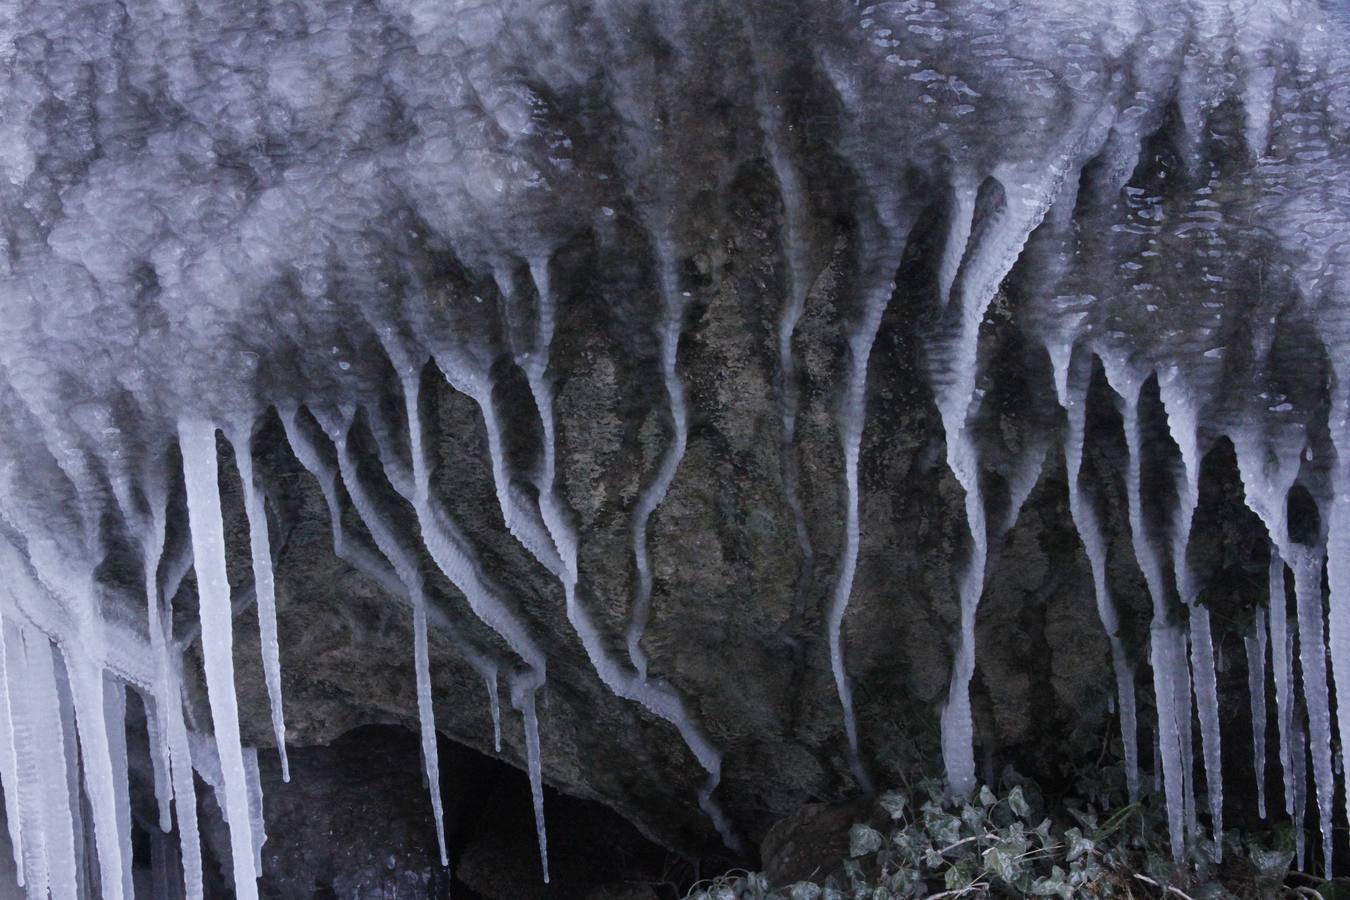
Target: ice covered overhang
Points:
(215, 215)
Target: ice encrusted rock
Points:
(210, 213)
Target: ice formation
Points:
(214, 218)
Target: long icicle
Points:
(1073, 399)
(173, 746)
(260, 549)
(409, 572)
(422, 502)
(9, 762)
(1338, 558)
(1182, 424)
(668, 342)
(1255, 644)
(954, 361)
(1166, 657)
(44, 707)
(115, 713)
(28, 737)
(659, 699)
(369, 562)
(197, 438)
(1307, 566)
(1282, 671)
(852, 416)
(523, 699)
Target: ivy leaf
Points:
(1054, 885)
(894, 803)
(1003, 864)
(944, 827)
(862, 840)
(958, 877)
(804, 890)
(1018, 803)
(987, 798)
(1272, 863)
(1078, 845)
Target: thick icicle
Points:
(197, 438)
(1282, 669)
(1307, 566)
(1256, 685)
(1167, 647)
(1073, 399)
(668, 342)
(954, 360)
(1182, 423)
(115, 712)
(523, 699)
(1338, 560)
(260, 548)
(9, 764)
(159, 762)
(44, 708)
(86, 850)
(28, 736)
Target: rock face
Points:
(722, 406)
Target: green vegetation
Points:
(922, 843)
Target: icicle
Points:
(962, 218)
(86, 856)
(495, 708)
(523, 699)
(1181, 423)
(50, 751)
(159, 763)
(409, 572)
(177, 754)
(953, 364)
(368, 562)
(82, 656)
(1256, 685)
(260, 549)
(1167, 647)
(197, 439)
(1207, 708)
(30, 793)
(255, 802)
(657, 698)
(1282, 665)
(164, 866)
(9, 764)
(1338, 560)
(1307, 566)
(668, 341)
(1073, 399)
(1298, 746)
(851, 418)
(115, 713)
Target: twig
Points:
(1166, 889)
(960, 892)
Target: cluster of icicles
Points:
(67, 666)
